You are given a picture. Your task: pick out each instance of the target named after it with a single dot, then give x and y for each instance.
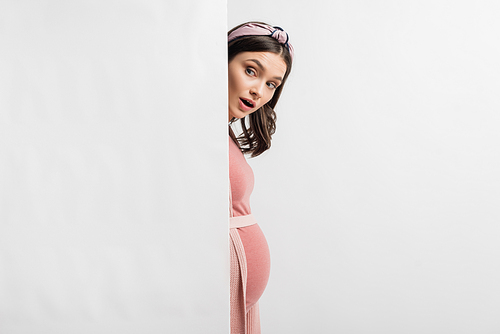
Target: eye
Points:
(272, 85)
(250, 71)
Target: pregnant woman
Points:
(259, 62)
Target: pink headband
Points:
(257, 29)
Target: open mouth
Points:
(247, 103)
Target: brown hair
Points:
(259, 126)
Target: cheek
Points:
(231, 80)
(268, 97)
(230, 83)
(235, 79)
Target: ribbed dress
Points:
(255, 251)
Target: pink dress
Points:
(250, 260)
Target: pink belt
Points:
(242, 320)
(242, 221)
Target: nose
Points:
(256, 91)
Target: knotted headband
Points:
(257, 29)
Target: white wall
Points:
(380, 195)
(113, 167)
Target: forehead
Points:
(269, 60)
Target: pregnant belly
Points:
(258, 262)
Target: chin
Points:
(238, 115)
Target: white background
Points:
(113, 167)
(380, 196)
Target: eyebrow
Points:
(259, 64)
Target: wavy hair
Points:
(259, 126)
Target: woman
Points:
(259, 62)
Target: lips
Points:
(246, 104)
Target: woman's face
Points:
(253, 78)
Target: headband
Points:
(257, 29)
